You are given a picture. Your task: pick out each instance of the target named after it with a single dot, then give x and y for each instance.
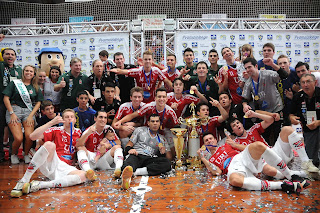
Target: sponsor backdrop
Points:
(84, 46)
(297, 45)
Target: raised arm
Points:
(224, 115)
(38, 133)
(266, 117)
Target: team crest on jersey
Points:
(184, 45)
(31, 166)
(58, 185)
(288, 37)
(207, 88)
(232, 37)
(80, 81)
(282, 165)
(30, 92)
(318, 104)
(234, 115)
(265, 185)
(213, 45)
(260, 37)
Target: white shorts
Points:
(286, 157)
(243, 163)
(56, 168)
(104, 163)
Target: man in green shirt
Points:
(214, 66)
(8, 72)
(70, 84)
(190, 67)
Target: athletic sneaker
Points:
(304, 182)
(126, 177)
(91, 175)
(117, 173)
(19, 188)
(14, 159)
(26, 159)
(288, 187)
(308, 166)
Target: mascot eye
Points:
(58, 56)
(49, 56)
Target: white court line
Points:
(140, 191)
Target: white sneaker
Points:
(31, 152)
(308, 166)
(14, 159)
(34, 186)
(26, 159)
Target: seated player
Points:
(110, 158)
(84, 114)
(53, 158)
(148, 151)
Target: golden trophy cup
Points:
(178, 145)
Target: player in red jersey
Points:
(88, 146)
(53, 156)
(146, 76)
(179, 101)
(171, 72)
(126, 129)
(231, 75)
(242, 167)
(210, 124)
(287, 141)
(168, 118)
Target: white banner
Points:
(297, 45)
(84, 46)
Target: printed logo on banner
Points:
(204, 53)
(260, 37)
(55, 42)
(213, 37)
(260, 53)
(92, 48)
(64, 57)
(28, 58)
(19, 58)
(64, 42)
(316, 52)
(297, 45)
(307, 52)
(18, 43)
(316, 60)
(83, 49)
(19, 65)
(288, 37)
(213, 45)
(92, 56)
(184, 45)
(83, 65)
(290, 59)
(36, 43)
(316, 67)
(73, 41)
(110, 47)
(195, 53)
(234, 52)
(306, 44)
(82, 41)
(194, 44)
(269, 37)
(251, 43)
(36, 58)
(279, 37)
(288, 52)
(90, 63)
(18, 51)
(27, 51)
(73, 49)
(232, 44)
(307, 60)
(195, 60)
(223, 37)
(251, 37)
(73, 55)
(279, 52)
(91, 40)
(297, 52)
(45, 42)
(232, 37)
(242, 37)
(36, 50)
(288, 44)
(111, 55)
(65, 51)
(28, 43)
(120, 47)
(316, 45)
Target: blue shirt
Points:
(84, 119)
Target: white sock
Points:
(141, 171)
(274, 160)
(118, 158)
(297, 145)
(69, 180)
(300, 173)
(279, 175)
(83, 160)
(252, 183)
(38, 159)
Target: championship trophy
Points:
(178, 145)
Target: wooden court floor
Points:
(190, 191)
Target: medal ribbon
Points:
(256, 90)
(148, 81)
(205, 87)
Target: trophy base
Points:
(194, 163)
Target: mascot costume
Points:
(51, 56)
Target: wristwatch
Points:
(11, 112)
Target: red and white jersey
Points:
(126, 109)
(233, 82)
(168, 117)
(171, 76)
(62, 140)
(95, 138)
(223, 156)
(141, 80)
(211, 127)
(253, 135)
(183, 102)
